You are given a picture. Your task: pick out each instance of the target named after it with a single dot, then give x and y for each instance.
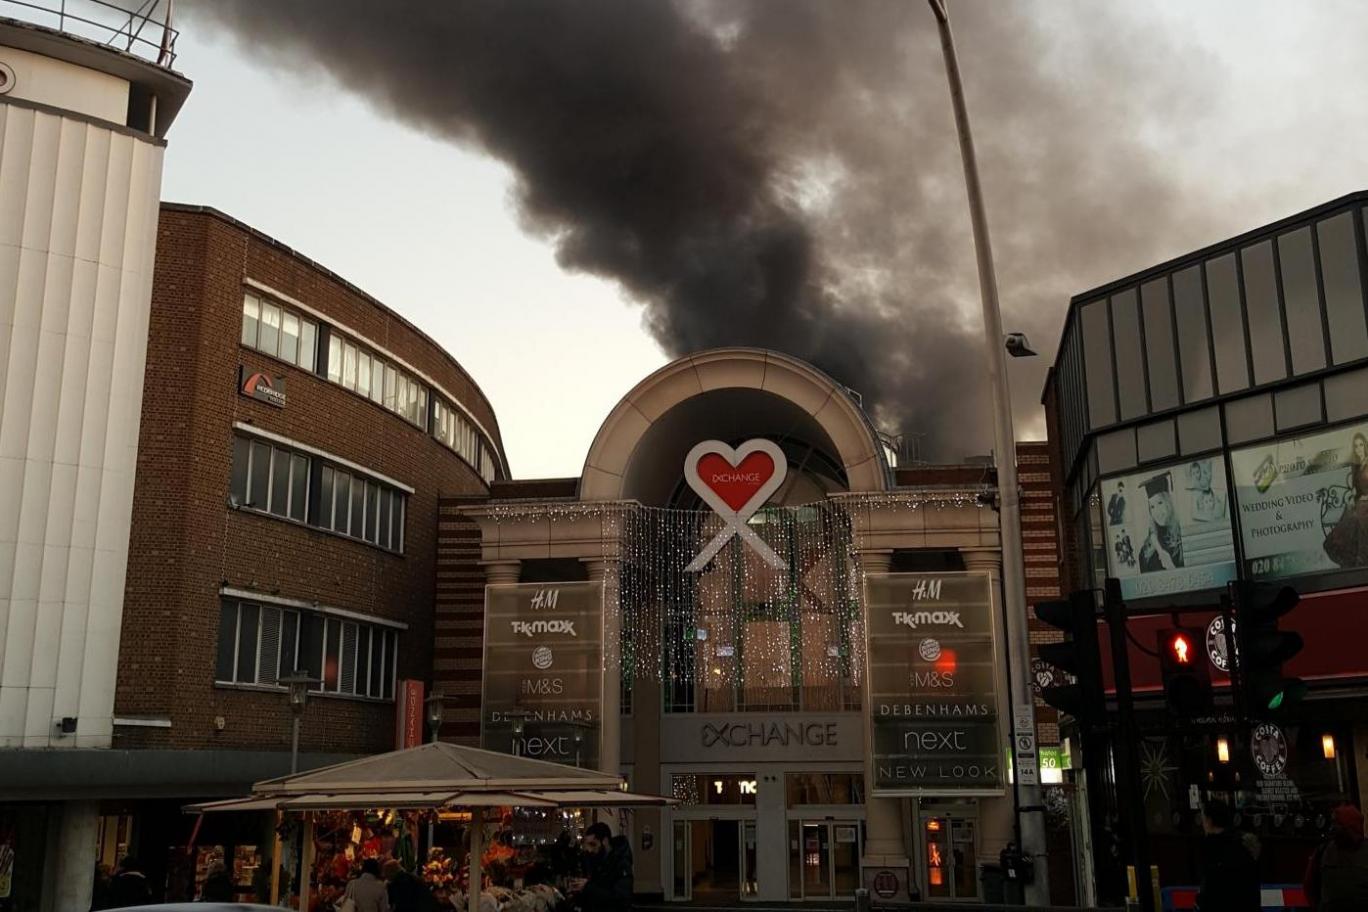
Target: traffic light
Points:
(1078, 655)
(1183, 668)
(1262, 649)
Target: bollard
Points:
(862, 899)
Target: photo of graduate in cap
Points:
(1163, 547)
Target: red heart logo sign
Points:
(736, 484)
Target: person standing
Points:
(1230, 876)
(608, 881)
(1337, 873)
(218, 886)
(407, 893)
(367, 891)
(129, 886)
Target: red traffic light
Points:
(1180, 648)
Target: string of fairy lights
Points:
(740, 634)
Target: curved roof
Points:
(820, 401)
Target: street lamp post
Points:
(298, 683)
(1029, 808)
(436, 709)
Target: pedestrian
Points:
(407, 893)
(1230, 876)
(1337, 872)
(128, 887)
(608, 881)
(218, 886)
(366, 892)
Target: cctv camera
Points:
(1018, 346)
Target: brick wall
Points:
(1040, 544)
(186, 542)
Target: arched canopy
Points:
(729, 394)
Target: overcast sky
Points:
(428, 227)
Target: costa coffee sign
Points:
(261, 387)
(735, 483)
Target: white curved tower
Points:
(85, 101)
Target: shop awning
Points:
(353, 800)
(233, 804)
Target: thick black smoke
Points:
(783, 173)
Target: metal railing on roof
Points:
(138, 27)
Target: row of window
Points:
(367, 374)
(279, 331)
(283, 333)
(260, 644)
(307, 489)
(1280, 307)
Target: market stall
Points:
(436, 778)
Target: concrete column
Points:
(76, 855)
(502, 571)
(885, 849)
(605, 571)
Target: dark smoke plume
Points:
(783, 173)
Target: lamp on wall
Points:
(436, 709)
(1328, 746)
(1222, 750)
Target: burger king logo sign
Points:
(735, 483)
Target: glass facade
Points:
(1245, 363)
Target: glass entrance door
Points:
(824, 859)
(949, 858)
(683, 863)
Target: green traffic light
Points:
(1276, 701)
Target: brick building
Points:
(296, 437)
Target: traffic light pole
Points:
(1126, 746)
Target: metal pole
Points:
(476, 872)
(294, 745)
(1030, 818)
(1126, 753)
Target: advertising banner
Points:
(410, 714)
(1168, 530)
(543, 671)
(1303, 503)
(933, 696)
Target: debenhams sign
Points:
(933, 697)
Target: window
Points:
(1263, 313)
(260, 644)
(452, 428)
(1130, 365)
(1193, 344)
(719, 788)
(1301, 301)
(1163, 369)
(1097, 357)
(269, 479)
(357, 507)
(279, 331)
(273, 479)
(1343, 292)
(824, 788)
(368, 374)
(1227, 324)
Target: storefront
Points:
(733, 514)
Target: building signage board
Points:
(735, 482)
(1168, 530)
(744, 738)
(933, 685)
(543, 671)
(261, 386)
(1303, 503)
(410, 712)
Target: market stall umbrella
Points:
(437, 776)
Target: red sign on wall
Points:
(408, 715)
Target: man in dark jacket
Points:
(1230, 876)
(407, 893)
(129, 886)
(608, 876)
(1337, 874)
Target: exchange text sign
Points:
(543, 671)
(933, 695)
